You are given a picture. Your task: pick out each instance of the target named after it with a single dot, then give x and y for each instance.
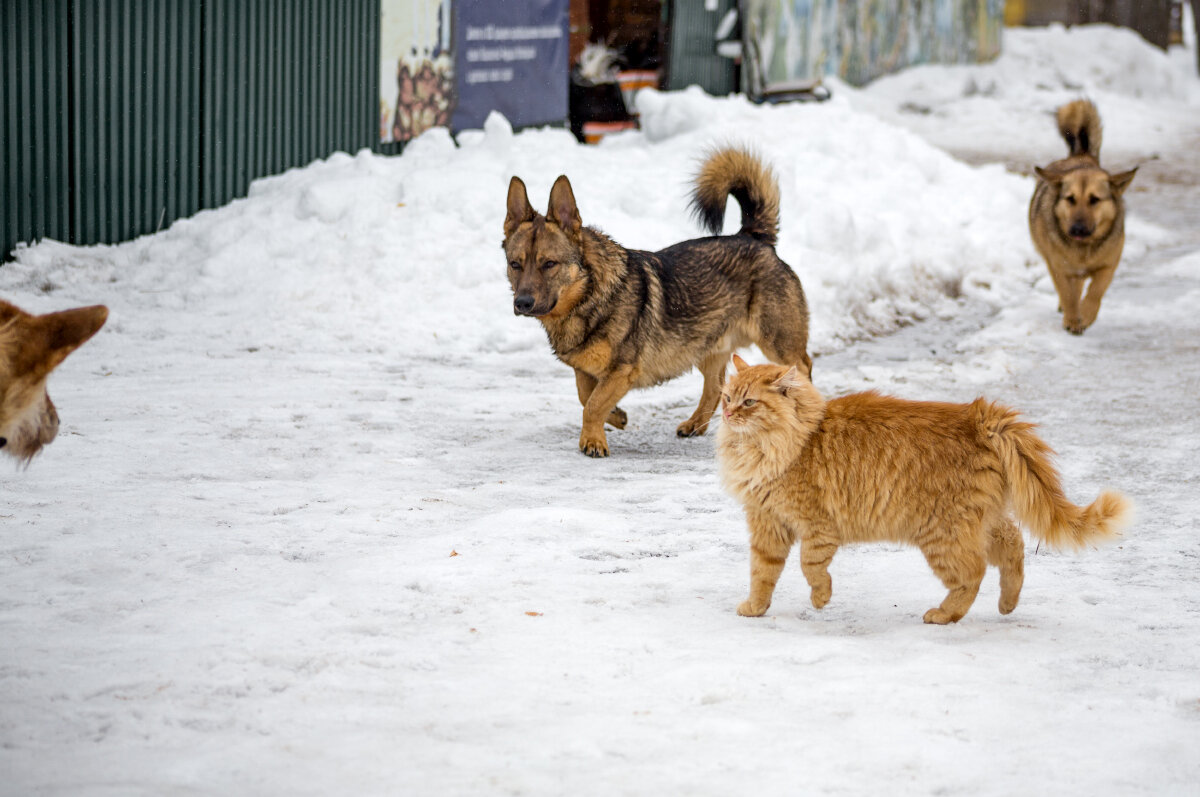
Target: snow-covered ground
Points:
(316, 522)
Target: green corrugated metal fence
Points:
(34, 133)
(134, 75)
(286, 82)
(121, 116)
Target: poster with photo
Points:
(416, 67)
(449, 63)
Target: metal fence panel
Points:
(121, 116)
(285, 83)
(693, 50)
(135, 69)
(34, 133)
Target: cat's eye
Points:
(749, 402)
(1093, 199)
(514, 265)
(549, 264)
(1070, 199)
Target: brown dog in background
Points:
(1077, 217)
(624, 318)
(30, 348)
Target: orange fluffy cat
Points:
(872, 468)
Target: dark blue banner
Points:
(510, 57)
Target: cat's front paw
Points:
(748, 609)
(939, 617)
(820, 597)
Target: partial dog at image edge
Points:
(624, 318)
(866, 467)
(1077, 217)
(31, 346)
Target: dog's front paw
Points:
(748, 609)
(617, 418)
(691, 428)
(593, 446)
(1075, 326)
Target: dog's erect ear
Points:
(48, 339)
(1119, 182)
(519, 209)
(791, 379)
(1053, 178)
(739, 364)
(8, 311)
(562, 210)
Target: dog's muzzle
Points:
(523, 305)
(1079, 230)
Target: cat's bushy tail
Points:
(1036, 492)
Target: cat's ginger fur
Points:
(872, 468)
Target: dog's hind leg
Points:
(713, 369)
(1006, 550)
(782, 334)
(1095, 292)
(584, 385)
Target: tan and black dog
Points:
(30, 348)
(1077, 217)
(624, 318)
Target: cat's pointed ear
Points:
(789, 381)
(739, 364)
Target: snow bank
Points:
(881, 227)
(1146, 97)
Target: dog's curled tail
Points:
(743, 175)
(1034, 487)
(1079, 125)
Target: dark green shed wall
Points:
(693, 58)
(34, 135)
(120, 116)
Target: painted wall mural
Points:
(858, 40)
(416, 78)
